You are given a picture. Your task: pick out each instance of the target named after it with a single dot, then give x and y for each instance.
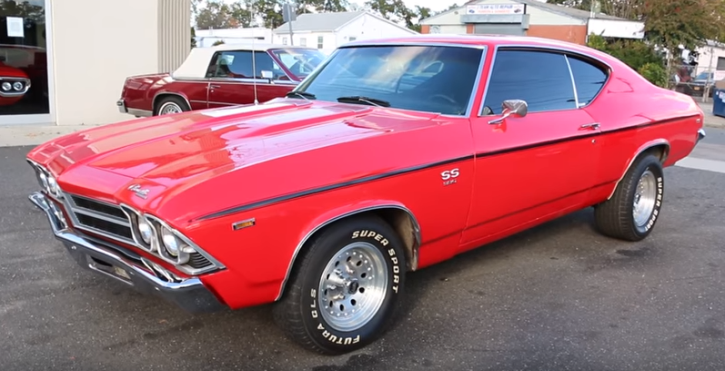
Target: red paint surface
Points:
(195, 164)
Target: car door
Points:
(236, 78)
(533, 166)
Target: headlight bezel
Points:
(159, 248)
(47, 181)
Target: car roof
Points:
(478, 39)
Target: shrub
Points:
(655, 73)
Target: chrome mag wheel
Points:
(645, 197)
(170, 108)
(353, 286)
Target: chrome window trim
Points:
(543, 48)
(573, 82)
(477, 81)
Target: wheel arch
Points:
(162, 94)
(659, 147)
(400, 218)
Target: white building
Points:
(76, 55)
(327, 31)
(205, 38)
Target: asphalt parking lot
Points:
(558, 297)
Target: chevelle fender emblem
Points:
(141, 192)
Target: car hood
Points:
(183, 149)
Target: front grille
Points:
(101, 218)
(109, 220)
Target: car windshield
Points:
(301, 62)
(423, 78)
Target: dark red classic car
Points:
(393, 156)
(220, 76)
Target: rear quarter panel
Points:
(635, 115)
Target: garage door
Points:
(500, 29)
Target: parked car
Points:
(697, 86)
(33, 62)
(321, 201)
(14, 83)
(220, 76)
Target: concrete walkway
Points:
(21, 135)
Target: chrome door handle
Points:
(215, 86)
(593, 125)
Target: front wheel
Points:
(635, 207)
(346, 288)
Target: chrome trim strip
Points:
(636, 156)
(110, 219)
(417, 239)
(139, 112)
(573, 83)
(190, 293)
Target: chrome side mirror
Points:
(510, 107)
(267, 74)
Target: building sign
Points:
(496, 9)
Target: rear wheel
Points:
(346, 288)
(635, 207)
(170, 104)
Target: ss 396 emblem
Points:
(449, 176)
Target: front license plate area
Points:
(107, 268)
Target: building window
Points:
(542, 79)
(23, 60)
(284, 41)
(320, 42)
(720, 64)
(303, 41)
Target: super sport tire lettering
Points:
(614, 217)
(299, 311)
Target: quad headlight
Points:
(157, 237)
(46, 181)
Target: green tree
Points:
(193, 38)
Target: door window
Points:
(238, 64)
(541, 78)
(588, 79)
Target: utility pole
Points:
(289, 15)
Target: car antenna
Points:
(254, 58)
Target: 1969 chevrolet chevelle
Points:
(392, 156)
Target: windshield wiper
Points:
(368, 100)
(302, 94)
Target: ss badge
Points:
(449, 176)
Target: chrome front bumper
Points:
(189, 294)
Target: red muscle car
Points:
(14, 83)
(220, 76)
(394, 155)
